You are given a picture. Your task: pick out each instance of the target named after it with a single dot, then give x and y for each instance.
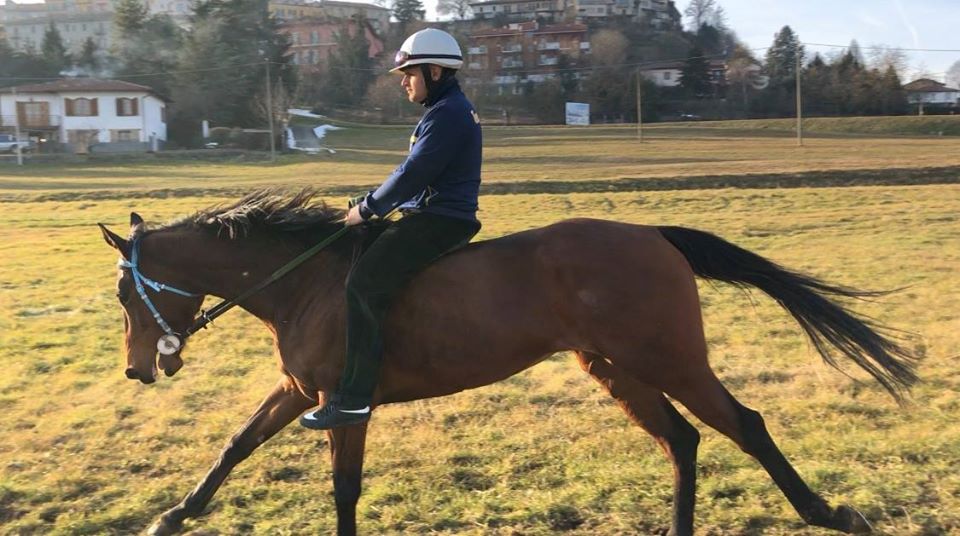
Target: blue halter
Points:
(140, 280)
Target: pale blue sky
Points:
(928, 24)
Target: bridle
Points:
(172, 341)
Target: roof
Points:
(83, 85)
(925, 85)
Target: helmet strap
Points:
(431, 84)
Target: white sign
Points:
(578, 113)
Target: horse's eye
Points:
(123, 296)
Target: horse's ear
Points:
(114, 240)
(135, 219)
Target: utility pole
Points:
(273, 141)
(796, 53)
(639, 110)
(16, 127)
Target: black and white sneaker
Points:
(334, 415)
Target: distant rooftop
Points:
(82, 84)
(925, 85)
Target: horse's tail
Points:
(825, 322)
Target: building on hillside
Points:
(313, 40)
(523, 10)
(86, 115)
(932, 96)
(293, 10)
(660, 14)
(526, 52)
(668, 73)
(13, 11)
(26, 34)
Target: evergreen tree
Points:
(782, 56)
(407, 11)
(53, 50)
(223, 65)
(459, 8)
(129, 17)
(695, 75)
(151, 49)
(18, 67)
(894, 97)
(88, 56)
(349, 68)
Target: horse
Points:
(621, 297)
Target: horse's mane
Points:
(295, 213)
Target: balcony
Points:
(509, 63)
(477, 50)
(505, 79)
(475, 65)
(548, 60)
(553, 45)
(512, 49)
(31, 121)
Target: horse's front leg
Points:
(280, 407)
(346, 449)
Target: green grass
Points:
(87, 451)
(930, 125)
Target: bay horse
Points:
(621, 297)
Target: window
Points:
(163, 114)
(81, 107)
(127, 107)
(124, 135)
(666, 75)
(33, 114)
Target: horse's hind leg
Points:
(648, 407)
(704, 395)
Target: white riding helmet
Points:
(429, 46)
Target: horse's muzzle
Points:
(134, 375)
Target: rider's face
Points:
(414, 83)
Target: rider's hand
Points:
(353, 216)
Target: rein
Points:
(172, 342)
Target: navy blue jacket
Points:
(441, 175)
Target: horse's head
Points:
(149, 312)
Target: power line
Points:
(884, 47)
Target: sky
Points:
(907, 24)
(927, 24)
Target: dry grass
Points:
(88, 452)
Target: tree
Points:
(407, 11)
(695, 75)
(882, 57)
(953, 75)
(53, 50)
(349, 70)
(459, 8)
(222, 66)
(153, 48)
(129, 17)
(700, 12)
(608, 47)
(88, 56)
(782, 56)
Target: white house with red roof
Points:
(87, 114)
(930, 94)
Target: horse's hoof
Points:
(851, 521)
(164, 527)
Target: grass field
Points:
(87, 451)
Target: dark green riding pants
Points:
(398, 254)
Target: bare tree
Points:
(953, 75)
(608, 47)
(883, 57)
(460, 9)
(700, 12)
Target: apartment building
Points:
(524, 52)
(656, 13)
(313, 40)
(292, 10)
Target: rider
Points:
(435, 189)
